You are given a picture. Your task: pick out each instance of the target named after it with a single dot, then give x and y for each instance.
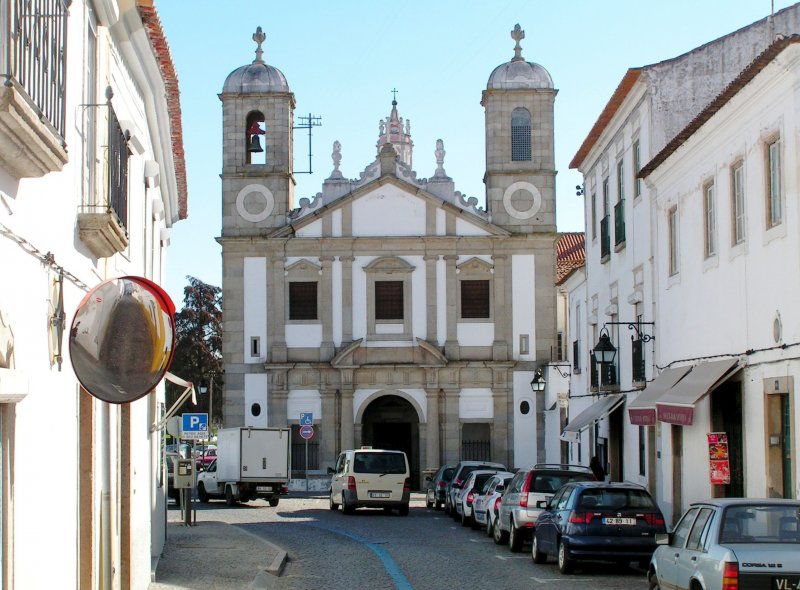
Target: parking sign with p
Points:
(194, 426)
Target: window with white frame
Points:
(594, 216)
(709, 220)
(475, 290)
(302, 286)
(389, 299)
(774, 186)
(737, 203)
(672, 228)
(637, 165)
(620, 180)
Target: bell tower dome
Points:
(520, 161)
(257, 168)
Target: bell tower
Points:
(257, 175)
(520, 161)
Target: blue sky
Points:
(342, 59)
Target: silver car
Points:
(730, 543)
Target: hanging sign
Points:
(718, 460)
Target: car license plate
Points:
(379, 494)
(617, 520)
(263, 488)
(786, 582)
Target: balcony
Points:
(619, 226)
(102, 231)
(605, 239)
(32, 105)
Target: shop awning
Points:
(597, 411)
(676, 406)
(642, 410)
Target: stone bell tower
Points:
(257, 119)
(520, 161)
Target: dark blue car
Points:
(598, 521)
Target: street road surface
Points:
(424, 551)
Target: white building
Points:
(389, 306)
(651, 322)
(90, 183)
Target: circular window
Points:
(255, 409)
(524, 408)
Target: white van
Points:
(373, 478)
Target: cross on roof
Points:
(517, 35)
(394, 95)
(259, 37)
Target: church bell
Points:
(255, 144)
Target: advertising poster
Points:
(719, 462)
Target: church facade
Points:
(390, 307)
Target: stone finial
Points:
(336, 156)
(517, 35)
(259, 37)
(439, 158)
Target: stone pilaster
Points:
(277, 311)
(277, 402)
(348, 429)
(502, 426)
(327, 446)
(432, 459)
(326, 349)
(451, 427)
(501, 346)
(347, 299)
(451, 348)
(431, 298)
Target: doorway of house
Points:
(391, 422)
(726, 416)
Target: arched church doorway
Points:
(390, 422)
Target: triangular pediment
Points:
(303, 266)
(357, 354)
(475, 265)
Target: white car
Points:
(465, 497)
(486, 504)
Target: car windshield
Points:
(481, 479)
(447, 474)
(615, 499)
(379, 463)
(548, 483)
(761, 524)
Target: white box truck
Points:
(251, 463)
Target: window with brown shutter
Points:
(303, 300)
(388, 300)
(475, 299)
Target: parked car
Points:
(486, 504)
(182, 449)
(460, 473)
(518, 509)
(730, 543)
(436, 487)
(597, 521)
(206, 457)
(465, 497)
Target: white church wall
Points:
(441, 301)
(441, 220)
(303, 401)
(303, 335)
(336, 301)
(255, 308)
(407, 213)
(312, 230)
(256, 390)
(465, 228)
(360, 296)
(523, 271)
(475, 403)
(475, 334)
(336, 223)
(525, 424)
(419, 297)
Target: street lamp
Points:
(538, 383)
(210, 390)
(604, 351)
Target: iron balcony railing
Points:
(619, 223)
(476, 450)
(117, 169)
(35, 48)
(605, 238)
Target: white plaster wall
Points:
(312, 230)
(303, 335)
(525, 446)
(370, 218)
(419, 297)
(256, 390)
(474, 334)
(336, 222)
(360, 296)
(466, 228)
(255, 307)
(523, 271)
(336, 301)
(441, 301)
(361, 398)
(475, 402)
(303, 401)
(441, 219)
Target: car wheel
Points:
(514, 538)
(565, 564)
(346, 508)
(536, 555)
(437, 505)
(404, 510)
(489, 526)
(229, 496)
(201, 492)
(274, 502)
(465, 520)
(331, 504)
(428, 503)
(652, 581)
(500, 536)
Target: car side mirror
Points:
(331, 471)
(541, 504)
(662, 538)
